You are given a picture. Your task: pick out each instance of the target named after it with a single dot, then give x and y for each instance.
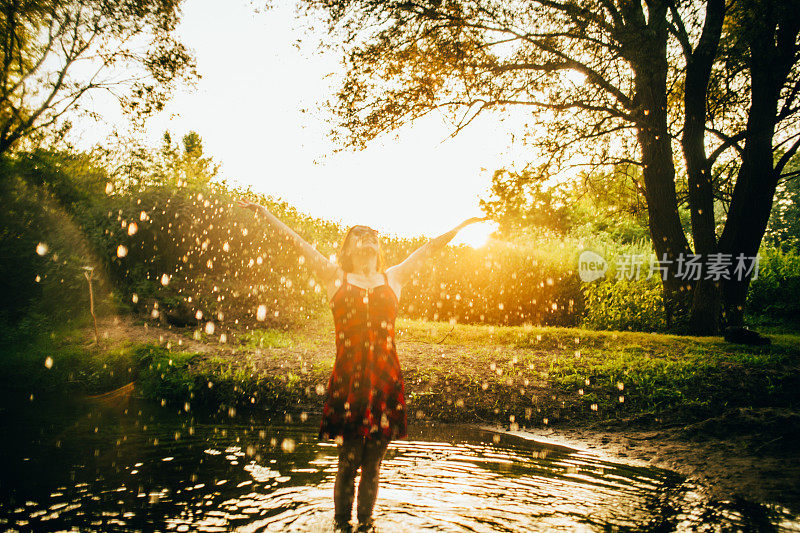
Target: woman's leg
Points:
(350, 456)
(374, 450)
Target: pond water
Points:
(70, 466)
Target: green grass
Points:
(267, 338)
(452, 372)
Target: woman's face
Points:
(363, 241)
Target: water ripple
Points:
(154, 470)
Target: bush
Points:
(624, 304)
(774, 293)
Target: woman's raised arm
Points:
(402, 272)
(319, 265)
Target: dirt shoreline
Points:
(753, 467)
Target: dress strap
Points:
(385, 279)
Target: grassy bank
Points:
(521, 376)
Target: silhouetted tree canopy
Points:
(54, 53)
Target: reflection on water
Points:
(70, 467)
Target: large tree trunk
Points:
(772, 36)
(649, 62)
(751, 203)
(705, 308)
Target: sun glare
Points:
(476, 235)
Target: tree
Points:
(768, 31)
(603, 80)
(611, 203)
(189, 166)
(53, 54)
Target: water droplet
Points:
(198, 315)
(132, 228)
(122, 251)
(165, 279)
(135, 298)
(48, 363)
(210, 328)
(261, 314)
(109, 187)
(288, 445)
(41, 248)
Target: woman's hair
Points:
(343, 257)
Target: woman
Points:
(365, 402)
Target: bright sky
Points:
(248, 109)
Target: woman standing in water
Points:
(365, 401)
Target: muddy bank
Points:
(751, 455)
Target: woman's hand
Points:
(247, 204)
(472, 220)
(414, 262)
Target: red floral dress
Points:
(366, 395)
